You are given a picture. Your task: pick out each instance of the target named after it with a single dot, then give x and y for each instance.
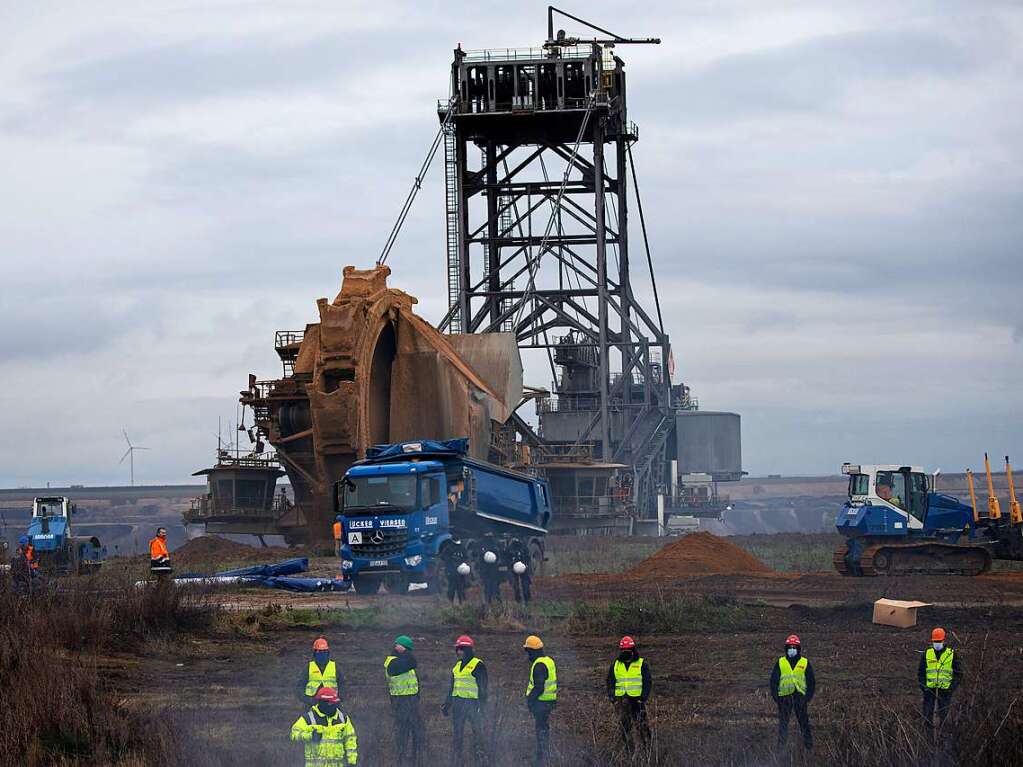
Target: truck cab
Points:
(51, 521)
(395, 517)
(897, 500)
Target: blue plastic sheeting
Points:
(307, 585)
(273, 577)
(287, 567)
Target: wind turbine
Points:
(130, 454)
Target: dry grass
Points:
(54, 708)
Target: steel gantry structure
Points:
(537, 146)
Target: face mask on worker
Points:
(327, 709)
(792, 652)
(938, 646)
(321, 657)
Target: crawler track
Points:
(841, 563)
(923, 559)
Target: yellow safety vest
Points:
(791, 679)
(328, 678)
(401, 684)
(629, 679)
(550, 686)
(338, 747)
(465, 683)
(939, 670)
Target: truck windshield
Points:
(393, 490)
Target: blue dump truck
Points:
(410, 506)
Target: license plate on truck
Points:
(378, 563)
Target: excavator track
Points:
(930, 558)
(841, 562)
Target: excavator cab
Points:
(896, 488)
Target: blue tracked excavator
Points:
(895, 523)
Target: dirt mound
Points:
(698, 554)
(211, 549)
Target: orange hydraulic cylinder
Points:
(973, 495)
(994, 511)
(1014, 511)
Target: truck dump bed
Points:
(487, 498)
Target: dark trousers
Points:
(466, 711)
(408, 727)
(520, 585)
(456, 587)
(541, 711)
(161, 568)
(632, 722)
(786, 705)
(491, 586)
(940, 699)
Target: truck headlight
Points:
(346, 564)
(414, 561)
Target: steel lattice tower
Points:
(537, 157)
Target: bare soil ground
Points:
(711, 640)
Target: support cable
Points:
(417, 184)
(646, 242)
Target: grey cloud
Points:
(812, 76)
(187, 71)
(50, 323)
(248, 236)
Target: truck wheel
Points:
(366, 586)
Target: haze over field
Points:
(833, 195)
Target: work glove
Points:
(445, 709)
(317, 736)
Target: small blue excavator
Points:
(895, 524)
(57, 550)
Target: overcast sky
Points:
(833, 193)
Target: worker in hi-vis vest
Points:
(320, 672)
(466, 697)
(792, 686)
(628, 687)
(938, 675)
(403, 689)
(327, 735)
(541, 694)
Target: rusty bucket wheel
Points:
(385, 349)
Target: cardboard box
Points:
(895, 612)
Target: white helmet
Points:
(489, 557)
(518, 568)
(463, 569)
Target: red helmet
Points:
(464, 641)
(627, 643)
(320, 644)
(327, 695)
(938, 635)
(793, 641)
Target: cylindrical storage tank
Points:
(709, 443)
